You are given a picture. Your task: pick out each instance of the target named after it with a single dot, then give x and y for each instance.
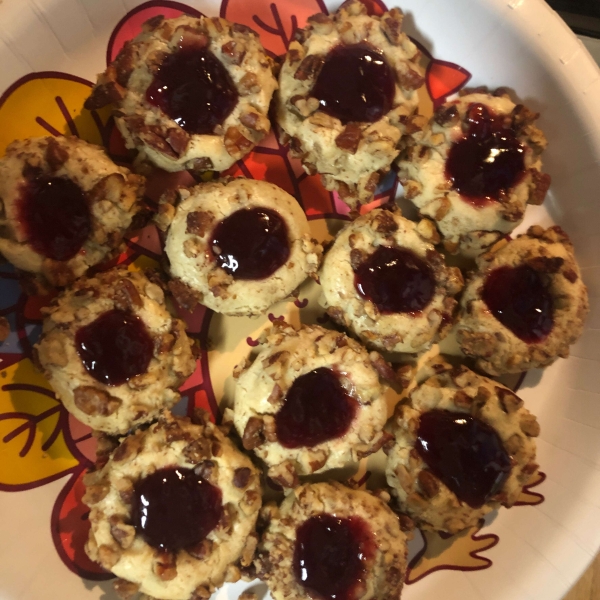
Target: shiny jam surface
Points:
(194, 89)
(251, 243)
(488, 160)
(464, 453)
(355, 84)
(175, 509)
(331, 556)
(56, 216)
(519, 299)
(115, 347)
(396, 280)
(316, 408)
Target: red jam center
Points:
(194, 89)
(396, 280)
(355, 84)
(331, 555)
(488, 160)
(521, 301)
(115, 347)
(56, 216)
(317, 408)
(175, 509)
(251, 243)
(464, 453)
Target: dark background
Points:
(583, 16)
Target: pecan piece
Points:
(409, 78)
(349, 139)
(199, 222)
(429, 483)
(234, 51)
(183, 293)
(198, 450)
(253, 433)
(236, 144)
(207, 469)
(241, 477)
(123, 533)
(509, 401)
(126, 295)
(93, 401)
(249, 84)
(446, 115)
(357, 257)
(127, 449)
(56, 156)
(309, 67)
(546, 264)
(165, 566)
(540, 182)
(201, 550)
(529, 425)
(391, 25)
(385, 222)
(276, 395)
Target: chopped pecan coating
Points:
(94, 401)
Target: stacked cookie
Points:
(175, 501)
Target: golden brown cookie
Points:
(464, 447)
(237, 246)
(173, 510)
(347, 95)
(113, 353)
(525, 304)
(384, 282)
(475, 167)
(190, 93)
(311, 400)
(326, 540)
(64, 207)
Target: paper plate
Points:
(50, 52)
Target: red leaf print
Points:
(444, 78)
(131, 24)
(276, 23)
(70, 529)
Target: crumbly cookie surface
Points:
(496, 348)
(422, 170)
(419, 492)
(112, 192)
(395, 332)
(350, 157)
(188, 574)
(197, 278)
(261, 388)
(385, 575)
(114, 409)
(149, 129)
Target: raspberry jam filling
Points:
(464, 453)
(488, 160)
(396, 280)
(316, 409)
(194, 89)
(521, 301)
(331, 556)
(355, 84)
(251, 243)
(115, 347)
(55, 215)
(175, 509)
